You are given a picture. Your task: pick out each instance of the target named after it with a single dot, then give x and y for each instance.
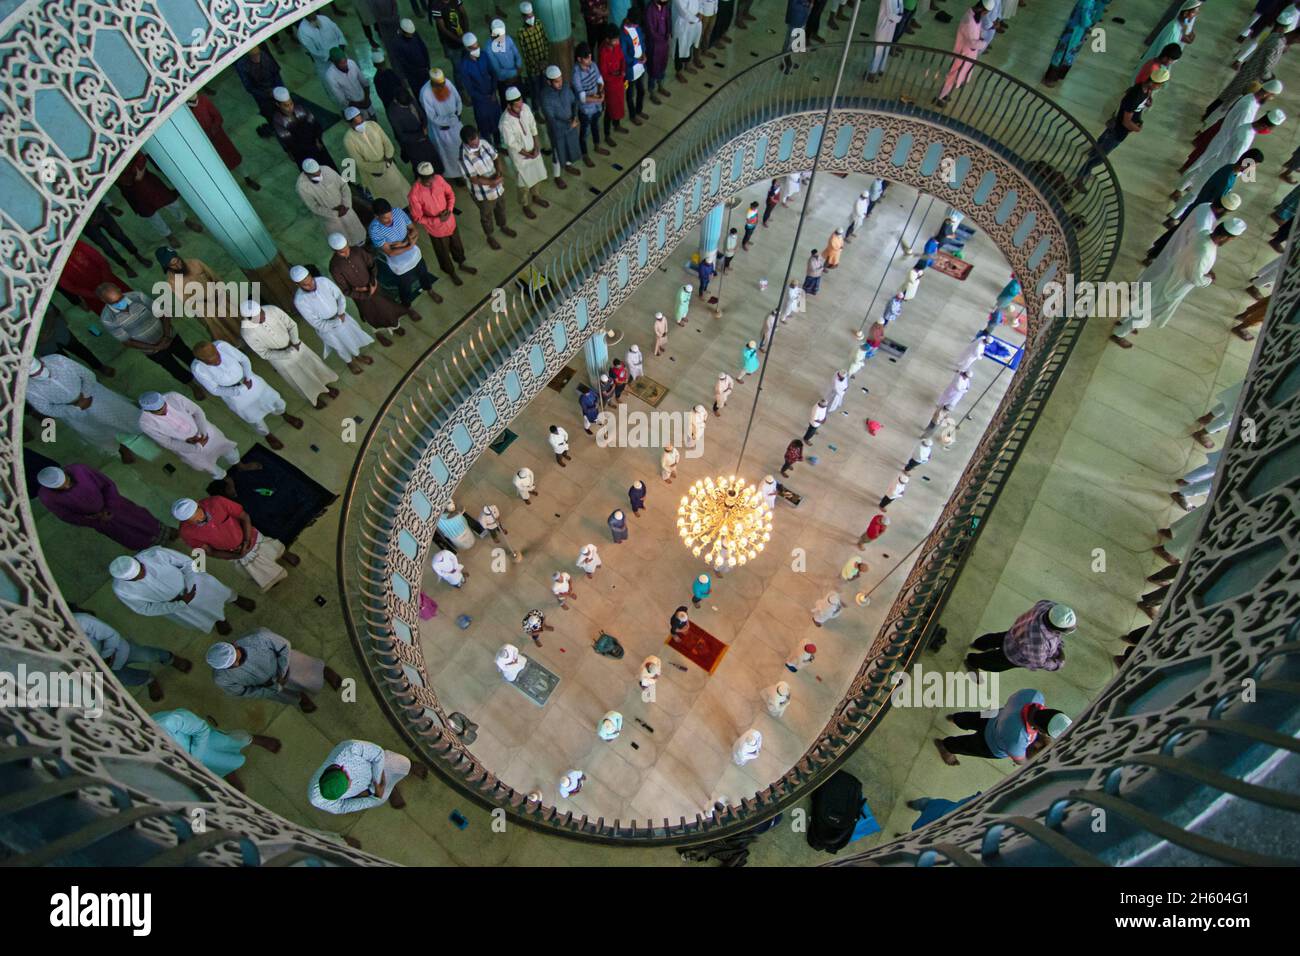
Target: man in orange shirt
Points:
(432, 204)
(220, 528)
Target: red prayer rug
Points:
(699, 647)
(959, 269)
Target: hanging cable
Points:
(803, 212)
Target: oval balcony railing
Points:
(1000, 152)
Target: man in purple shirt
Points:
(1009, 733)
(80, 495)
(1035, 641)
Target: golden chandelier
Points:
(724, 520)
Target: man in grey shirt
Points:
(262, 664)
(130, 317)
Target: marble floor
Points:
(1095, 474)
(673, 758)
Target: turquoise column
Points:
(557, 22)
(596, 352)
(711, 231)
(188, 159)
(618, 11)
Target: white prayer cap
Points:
(570, 779)
(1234, 226)
(688, 287)
(769, 480)
(151, 401)
(34, 366)
(298, 273)
(405, 25)
(703, 579)
(498, 28)
(553, 72)
(1062, 617)
(280, 94)
(310, 166)
(783, 688)
(124, 567)
(903, 479)
(1272, 86)
(337, 240)
(988, 4)
(927, 442)
(1058, 725)
(659, 315)
(469, 40)
(221, 655)
(377, 56)
(437, 75)
(1287, 18)
(424, 169)
(753, 738)
(751, 344)
(51, 477)
(858, 335)
(507, 653)
(351, 113)
(866, 194)
(250, 309)
(1230, 201)
(512, 94)
(526, 8)
(183, 509)
(1276, 117)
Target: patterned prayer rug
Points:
(959, 269)
(699, 647)
(648, 390)
(536, 683)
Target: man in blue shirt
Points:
(589, 86)
(1009, 733)
(590, 403)
(393, 233)
(478, 86)
(504, 59)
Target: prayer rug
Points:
(648, 390)
(699, 647)
(561, 379)
(503, 441)
(951, 266)
(890, 347)
(281, 500)
(536, 683)
(782, 491)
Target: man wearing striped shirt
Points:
(393, 233)
(486, 178)
(1034, 641)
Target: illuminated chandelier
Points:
(724, 521)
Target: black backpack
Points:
(836, 806)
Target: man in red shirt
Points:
(220, 528)
(432, 204)
(619, 375)
(874, 530)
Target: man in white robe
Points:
(347, 84)
(776, 698)
(160, 582)
(835, 394)
(510, 662)
(326, 196)
(372, 150)
(699, 419)
(747, 747)
(526, 485)
(956, 389)
(226, 372)
(319, 35)
(768, 490)
(448, 567)
(325, 308)
(1173, 275)
(687, 31)
(888, 17)
(179, 425)
(635, 362)
(273, 337)
(59, 388)
(1226, 148)
(358, 775)
(973, 352)
(444, 120)
(518, 130)
(722, 390)
(793, 300)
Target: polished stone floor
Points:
(1096, 473)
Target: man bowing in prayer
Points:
(323, 305)
(358, 775)
(179, 425)
(80, 495)
(262, 665)
(372, 150)
(59, 388)
(273, 337)
(221, 529)
(226, 372)
(160, 582)
(1175, 273)
(519, 136)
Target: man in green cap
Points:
(358, 775)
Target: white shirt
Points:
(489, 517)
(818, 415)
(559, 440)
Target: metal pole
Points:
(803, 212)
(732, 202)
(893, 255)
(971, 410)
